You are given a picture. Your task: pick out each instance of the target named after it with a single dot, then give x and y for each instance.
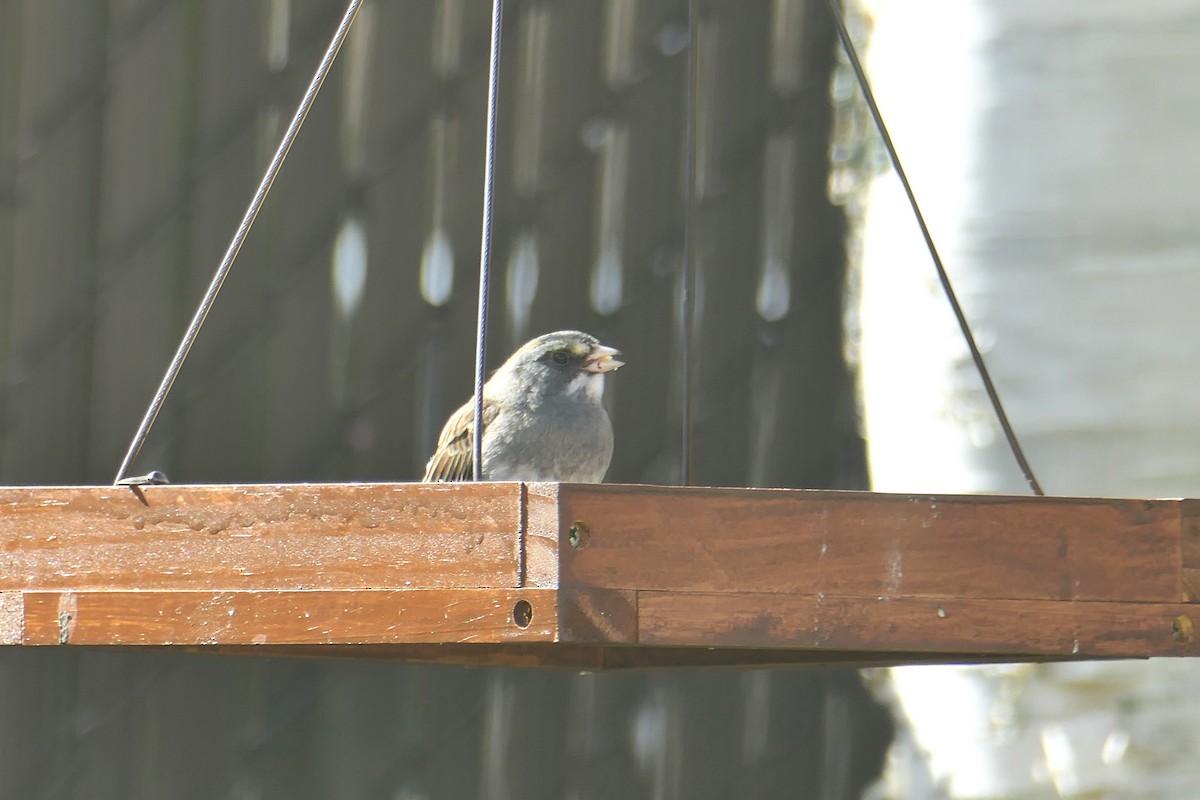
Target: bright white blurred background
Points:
(1054, 149)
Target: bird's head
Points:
(563, 362)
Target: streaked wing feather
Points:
(454, 460)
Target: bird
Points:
(543, 416)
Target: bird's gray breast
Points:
(562, 439)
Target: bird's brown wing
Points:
(454, 458)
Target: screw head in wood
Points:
(578, 534)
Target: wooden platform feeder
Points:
(595, 577)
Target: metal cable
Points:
(239, 236)
(485, 244)
(691, 104)
(1009, 434)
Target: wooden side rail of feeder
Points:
(591, 577)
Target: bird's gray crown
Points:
(547, 365)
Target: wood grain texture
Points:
(873, 545)
(541, 534)
(261, 537)
(656, 577)
(981, 627)
(285, 617)
(1190, 547)
(598, 615)
(1191, 584)
(12, 612)
(591, 657)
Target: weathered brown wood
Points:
(261, 537)
(591, 657)
(871, 545)
(541, 534)
(12, 614)
(1190, 548)
(1049, 628)
(599, 577)
(598, 615)
(285, 617)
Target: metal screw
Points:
(578, 534)
(1182, 629)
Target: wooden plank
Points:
(261, 537)
(285, 617)
(1190, 548)
(969, 626)
(12, 615)
(591, 657)
(645, 572)
(873, 545)
(597, 615)
(541, 534)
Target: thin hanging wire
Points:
(239, 237)
(1009, 434)
(687, 289)
(485, 244)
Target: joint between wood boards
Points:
(538, 562)
(68, 612)
(1189, 550)
(597, 616)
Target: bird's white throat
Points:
(591, 383)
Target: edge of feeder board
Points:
(598, 576)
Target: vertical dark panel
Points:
(52, 87)
(60, 96)
(732, 113)
(136, 160)
(814, 439)
(560, 209)
(442, 721)
(375, 436)
(293, 369)
(646, 395)
(465, 104)
(143, 163)
(11, 56)
(214, 419)
(604, 734)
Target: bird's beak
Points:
(601, 359)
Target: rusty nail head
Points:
(578, 534)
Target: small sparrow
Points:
(543, 419)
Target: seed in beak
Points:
(601, 360)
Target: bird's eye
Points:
(560, 357)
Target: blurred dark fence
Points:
(131, 135)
